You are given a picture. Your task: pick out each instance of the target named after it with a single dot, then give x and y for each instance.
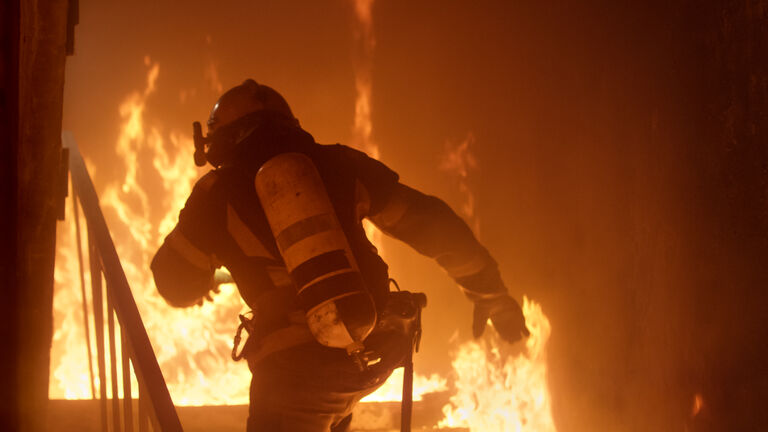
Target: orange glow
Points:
(363, 139)
(192, 345)
(392, 390)
(364, 64)
(496, 391)
(363, 126)
(698, 404)
(502, 393)
(459, 160)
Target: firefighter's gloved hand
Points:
(505, 314)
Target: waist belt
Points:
(401, 315)
(278, 340)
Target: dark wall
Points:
(9, 114)
(36, 161)
(731, 199)
(622, 183)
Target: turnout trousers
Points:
(312, 388)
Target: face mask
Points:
(216, 148)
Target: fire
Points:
(392, 390)
(494, 392)
(71, 379)
(498, 392)
(459, 160)
(363, 139)
(363, 126)
(698, 404)
(192, 345)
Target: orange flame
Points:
(212, 71)
(459, 160)
(502, 393)
(698, 404)
(71, 378)
(192, 345)
(392, 390)
(495, 391)
(363, 126)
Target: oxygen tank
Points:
(339, 310)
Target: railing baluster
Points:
(78, 241)
(153, 393)
(154, 421)
(113, 362)
(143, 420)
(127, 397)
(98, 321)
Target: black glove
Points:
(505, 314)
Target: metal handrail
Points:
(136, 343)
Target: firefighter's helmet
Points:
(234, 116)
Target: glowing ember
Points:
(496, 392)
(698, 404)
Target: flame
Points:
(392, 390)
(459, 160)
(71, 379)
(212, 71)
(496, 392)
(698, 404)
(192, 345)
(363, 139)
(363, 126)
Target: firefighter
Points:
(318, 289)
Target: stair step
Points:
(83, 416)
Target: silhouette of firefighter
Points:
(284, 215)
